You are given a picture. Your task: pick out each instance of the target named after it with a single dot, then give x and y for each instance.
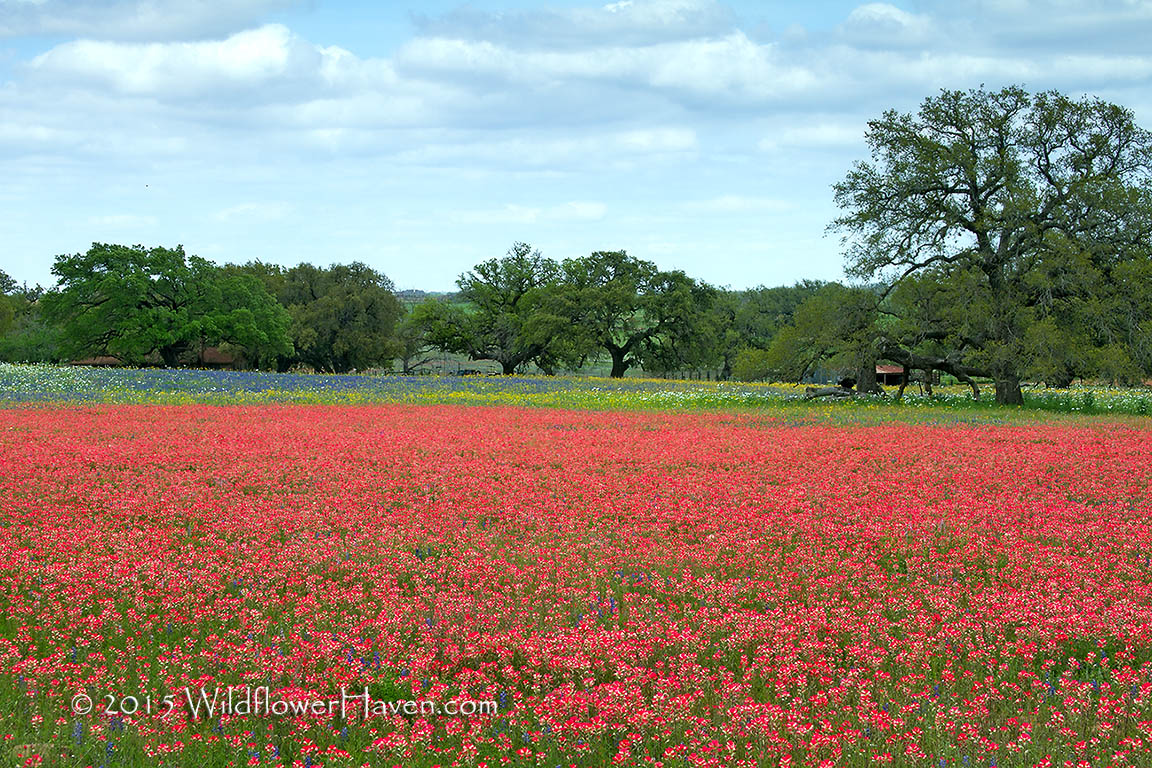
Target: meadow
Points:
(49, 384)
(863, 585)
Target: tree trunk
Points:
(1008, 390)
(619, 364)
(866, 379)
(903, 383)
(170, 356)
(509, 367)
(1004, 369)
(838, 391)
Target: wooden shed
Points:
(889, 375)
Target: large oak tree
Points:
(138, 304)
(1032, 200)
(499, 314)
(636, 313)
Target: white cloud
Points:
(1040, 27)
(132, 19)
(269, 60)
(732, 67)
(328, 98)
(577, 211)
(31, 135)
(656, 140)
(657, 107)
(885, 25)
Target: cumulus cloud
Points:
(132, 19)
(729, 68)
(266, 62)
(31, 135)
(1043, 26)
(693, 66)
(630, 82)
(885, 25)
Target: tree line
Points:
(161, 306)
(995, 236)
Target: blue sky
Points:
(422, 138)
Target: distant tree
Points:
(500, 314)
(134, 302)
(683, 334)
(7, 303)
(747, 321)
(930, 320)
(25, 337)
(933, 320)
(751, 364)
(442, 324)
(835, 328)
(637, 314)
(248, 320)
(1038, 201)
(343, 317)
(414, 348)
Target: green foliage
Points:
(7, 284)
(413, 347)
(525, 308)
(7, 314)
(1022, 213)
(638, 314)
(442, 324)
(142, 305)
(764, 311)
(836, 327)
(24, 335)
(752, 364)
(504, 317)
(8, 303)
(746, 322)
(248, 321)
(31, 340)
(343, 317)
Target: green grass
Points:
(52, 385)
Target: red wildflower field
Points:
(632, 589)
